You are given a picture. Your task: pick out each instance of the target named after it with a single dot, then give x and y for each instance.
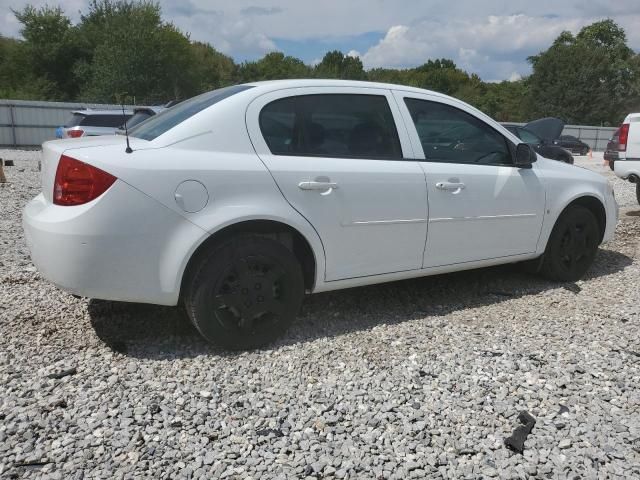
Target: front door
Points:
(337, 155)
(480, 206)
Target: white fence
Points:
(28, 124)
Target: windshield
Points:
(74, 120)
(528, 137)
(173, 116)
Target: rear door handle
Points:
(450, 186)
(317, 186)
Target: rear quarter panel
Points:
(221, 157)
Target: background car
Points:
(89, 123)
(611, 153)
(140, 114)
(573, 144)
(543, 146)
(627, 165)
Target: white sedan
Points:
(237, 202)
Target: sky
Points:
(492, 38)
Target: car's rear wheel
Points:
(246, 293)
(572, 245)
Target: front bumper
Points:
(122, 246)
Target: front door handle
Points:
(322, 186)
(450, 186)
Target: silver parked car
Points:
(88, 123)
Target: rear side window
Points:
(331, 125)
(449, 134)
(111, 121)
(165, 121)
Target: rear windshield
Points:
(96, 120)
(113, 121)
(173, 116)
(137, 118)
(74, 120)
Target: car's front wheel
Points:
(572, 245)
(246, 292)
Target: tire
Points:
(638, 192)
(572, 245)
(246, 293)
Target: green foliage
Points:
(46, 56)
(124, 49)
(337, 65)
(131, 50)
(590, 78)
(273, 66)
(212, 68)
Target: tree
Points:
(337, 65)
(589, 78)
(213, 69)
(48, 52)
(131, 51)
(273, 66)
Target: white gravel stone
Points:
(415, 379)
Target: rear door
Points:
(338, 156)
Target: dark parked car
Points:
(540, 134)
(573, 144)
(611, 153)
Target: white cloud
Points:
(514, 77)
(492, 37)
(353, 53)
(495, 46)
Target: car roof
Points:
(268, 85)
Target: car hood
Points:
(548, 128)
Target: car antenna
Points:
(126, 130)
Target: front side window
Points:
(449, 134)
(331, 125)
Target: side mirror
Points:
(525, 156)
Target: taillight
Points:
(77, 182)
(623, 137)
(75, 133)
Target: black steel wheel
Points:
(572, 245)
(246, 294)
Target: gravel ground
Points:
(415, 379)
